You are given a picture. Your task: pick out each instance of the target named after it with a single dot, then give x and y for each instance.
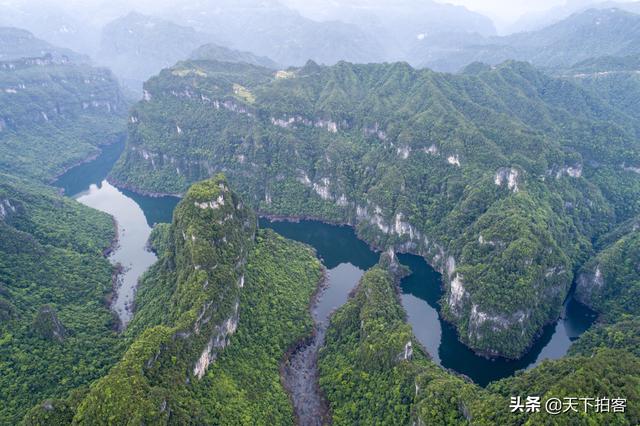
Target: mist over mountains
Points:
(138, 40)
(488, 183)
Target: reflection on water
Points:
(346, 258)
(343, 254)
(134, 214)
(421, 293)
(133, 233)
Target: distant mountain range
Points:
(585, 35)
(538, 20)
(16, 43)
(137, 46)
(271, 29)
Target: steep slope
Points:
(137, 46)
(500, 177)
(592, 33)
(55, 113)
(373, 371)
(214, 318)
(56, 330)
(610, 281)
(616, 79)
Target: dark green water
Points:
(345, 257)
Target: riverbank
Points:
(299, 369)
(424, 312)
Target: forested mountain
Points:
(16, 43)
(215, 317)
(214, 320)
(538, 20)
(213, 52)
(54, 113)
(372, 371)
(500, 177)
(56, 330)
(136, 46)
(518, 181)
(616, 79)
(585, 35)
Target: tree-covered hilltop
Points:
(615, 79)
(214, 318)
(502, 177)
(54, 114)
(214, 52)
(56, 330)
(373, 371)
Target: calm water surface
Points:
(134, 214)
(345, 257)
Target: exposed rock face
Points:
(218, 342)
(6, 208)
(588, 284)
(453, 160)
(457, 294)
(48, 326)
(219, 231)
(574, 171)
(508, 177)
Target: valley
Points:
(268, 212)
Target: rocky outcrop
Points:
(6, 208)
(508, 176)
(589, 284)
(47, 325)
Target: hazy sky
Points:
(506, 10)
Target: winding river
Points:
(134, 215)
(343, 254)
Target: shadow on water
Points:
(80, 178)
(343, 253)
(421, 293)
(346, 258)
(134, 214)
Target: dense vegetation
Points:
(370, 376)
(213, 52)
(502, 177)
(54, 114)
(56, 330)
(212, 278)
